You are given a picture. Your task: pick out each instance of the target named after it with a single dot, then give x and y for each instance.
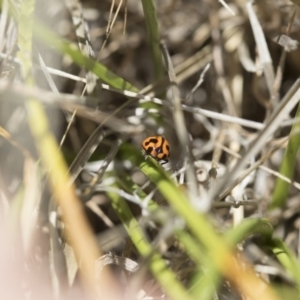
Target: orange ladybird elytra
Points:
(157, 147)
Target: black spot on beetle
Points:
(158, 150)
(149, 150)
(152, 141)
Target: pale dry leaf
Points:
(286, 42)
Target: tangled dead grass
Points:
(219, 80)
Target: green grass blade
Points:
(206, 281)
(51, 39)
(288, 260)
(154, 36)
(157, 265)
(249, 226)
(288, 165)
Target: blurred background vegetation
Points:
(84, 214)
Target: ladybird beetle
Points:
(157, 147)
